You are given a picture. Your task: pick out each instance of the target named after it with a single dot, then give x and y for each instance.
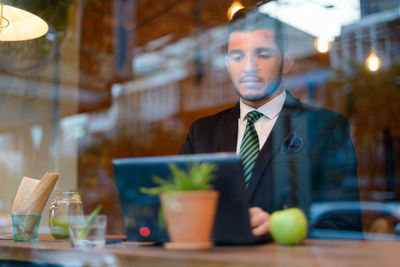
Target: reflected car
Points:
(380, 220)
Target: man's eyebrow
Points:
(265, 49)
(236, 51)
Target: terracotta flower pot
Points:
(190, 217)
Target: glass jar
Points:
(65, 203)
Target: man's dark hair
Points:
(251, 20)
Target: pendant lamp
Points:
(19, 25)
(236, 5)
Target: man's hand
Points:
(259, 220)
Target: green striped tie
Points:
(249, 148)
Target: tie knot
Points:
(253, 116)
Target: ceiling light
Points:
(236, 5)
(18, 25)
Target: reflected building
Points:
(377, 31)
(376, 137)
(368, 7)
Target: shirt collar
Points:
(270, 109)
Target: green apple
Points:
(289, 226)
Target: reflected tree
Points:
(371, 101)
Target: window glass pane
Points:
(121, 79)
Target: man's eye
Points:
(236, 57)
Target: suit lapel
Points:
(282, 128)
(229, 124)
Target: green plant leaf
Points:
(158, 180)
(83, 233)
(197, 177)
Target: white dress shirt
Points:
(263, 125)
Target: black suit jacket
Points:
(308, 158)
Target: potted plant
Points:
(189, 205)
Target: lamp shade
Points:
(18, 25)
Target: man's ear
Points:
(288, 61)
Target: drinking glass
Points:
(64, 204)
(25, 227)
(86, 231)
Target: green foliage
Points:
(83, 233)
(371, 101)
(197, 178)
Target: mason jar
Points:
(64, 204)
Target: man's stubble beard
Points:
(268, 92)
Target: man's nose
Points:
(250, 64)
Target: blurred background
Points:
(124, 78)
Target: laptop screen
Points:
(141, 212)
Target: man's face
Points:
(254, 63)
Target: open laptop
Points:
(141, 212)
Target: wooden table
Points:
(312, 252)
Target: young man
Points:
(292, 153)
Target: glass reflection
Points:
(127, 79)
